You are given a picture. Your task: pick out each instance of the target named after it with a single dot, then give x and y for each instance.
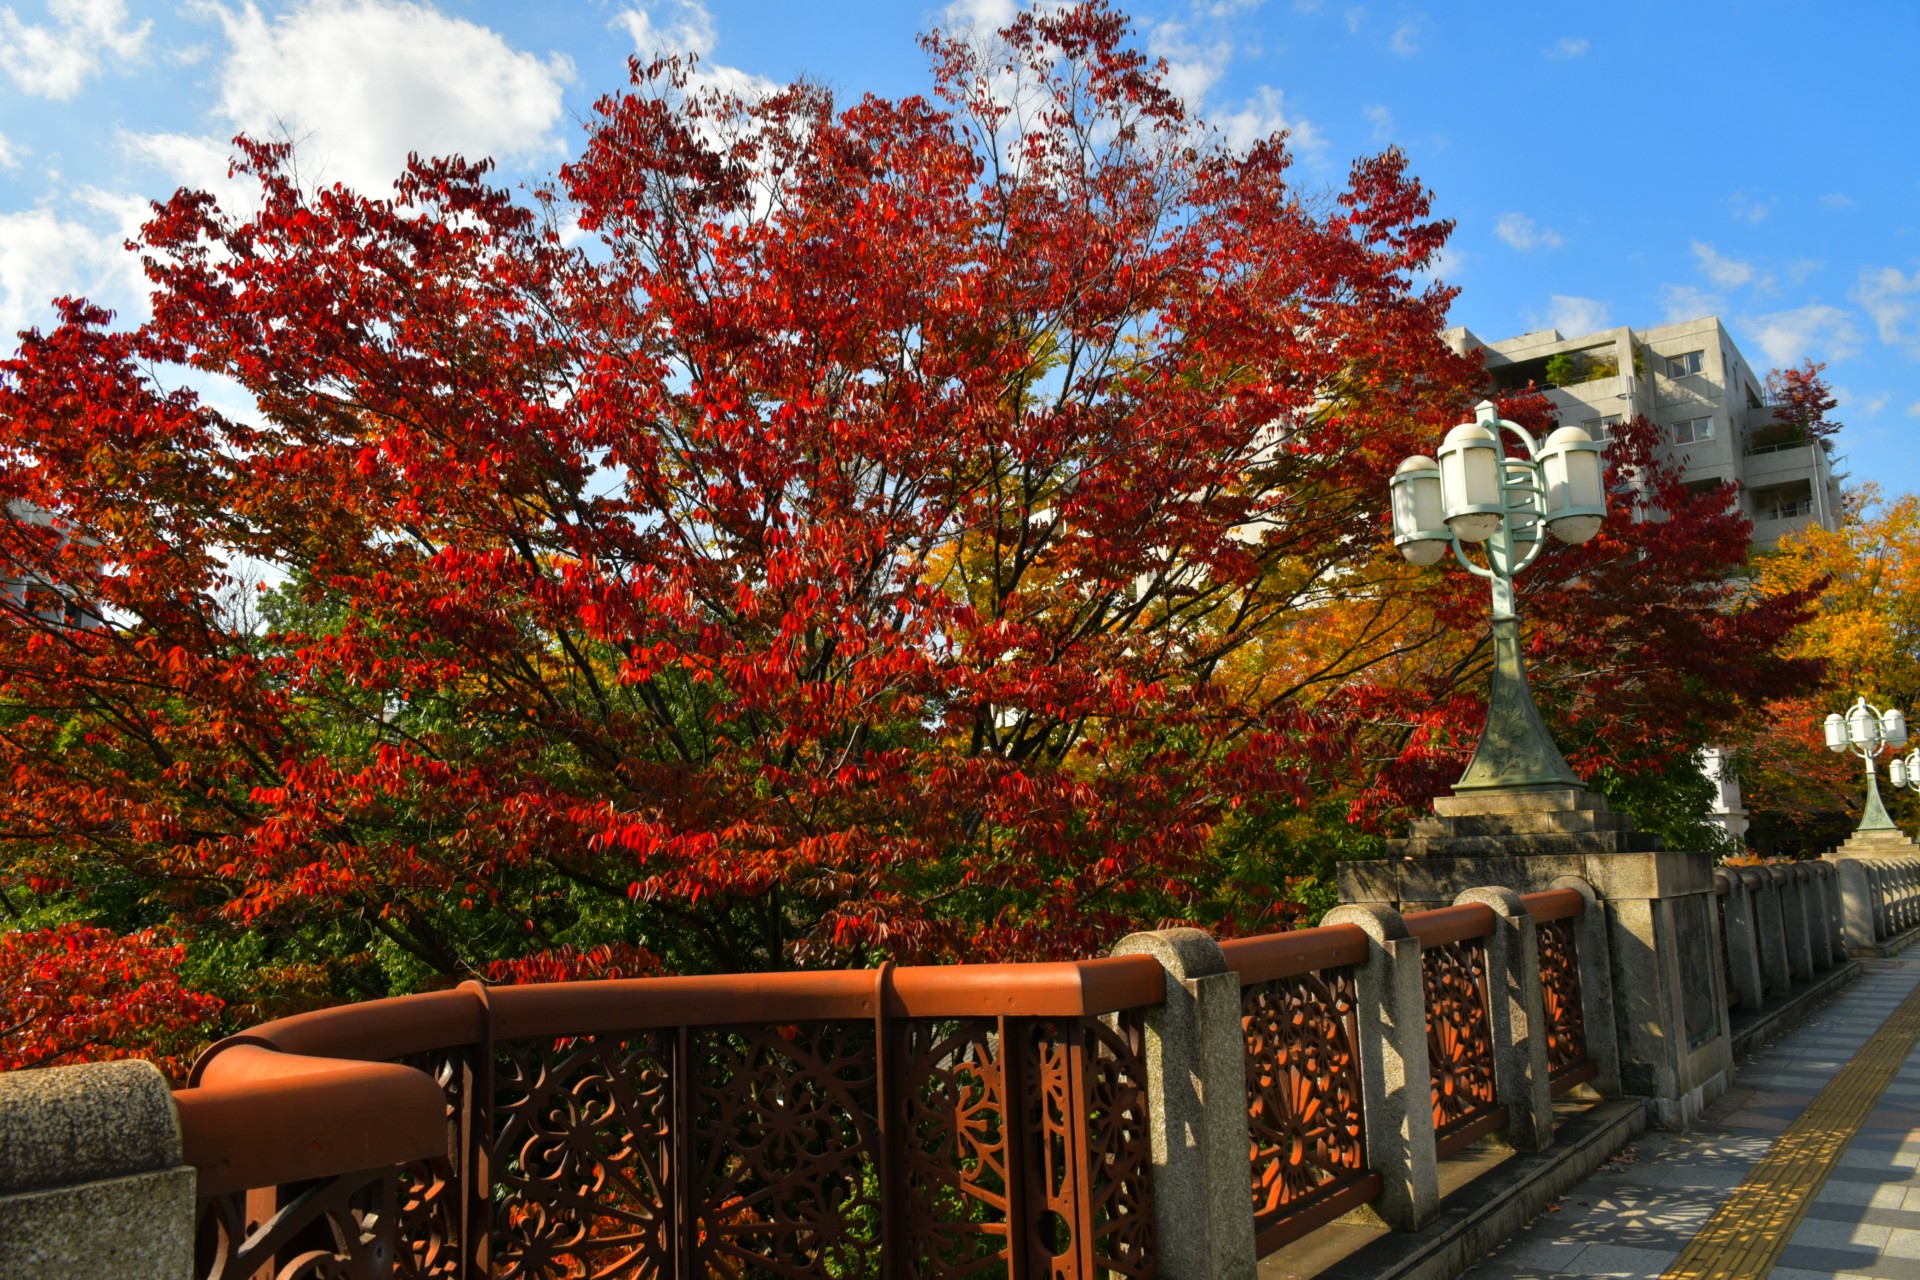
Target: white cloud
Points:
(1192, 68)
(1815, 330)
(1382, 121)
(54, 61)
(1520, 231)
(976, 17)
(1750, 206)
(1836, 200)
(1574, 316)
(1874, 404)
(1567, 47)
(1728, 273)
(360, 83)
(10, 154)
(1913, 410)
(1685, 302)
(1447, 264)
(1406, 39)
(44, 254)
(195, 160)
(685, 26)
(1355, 16)
(1802, 268)
(1890, 297)
(1262, 115)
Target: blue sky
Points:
(1625, 163)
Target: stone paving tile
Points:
(1619, 1260)
(1870, 1262)
(1631, 1218)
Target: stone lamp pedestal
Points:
(1662, 927)
(1880, 842)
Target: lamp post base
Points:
(1516, 753)
(1535, 822)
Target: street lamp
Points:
(1475, 494)
(1867, 731)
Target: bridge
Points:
(1601, 1058)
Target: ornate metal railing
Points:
(1307, 1135)
(1556, 918)
(269, 1145)
(1453, 963)
(963, 1121)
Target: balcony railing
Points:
(1787, 510)
(1755, 450)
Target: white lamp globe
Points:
(1863, 727)
(1573, 477)
(1470, 482)
(1897, 771)
(1418, 528)
(1836, 732)
(1894, 726)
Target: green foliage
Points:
(1675, 803)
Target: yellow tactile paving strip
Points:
(1750, 1231)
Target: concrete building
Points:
(1691, 379)
(25, 592)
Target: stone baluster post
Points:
(1196, 1058)
(1394, 1074)
(1821, 920)
(1743, 938)
(93, 1185)
(1882, 912)
(1774, 965)
(1793, 914)
(1519, 1019)
(1836, 913)
(1857, 906)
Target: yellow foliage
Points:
(1868, 623)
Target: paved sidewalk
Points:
(1634, 1216)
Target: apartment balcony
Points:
(1775, 523)
(1779, 463)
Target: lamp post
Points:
(1476, 494)
(1867, 731)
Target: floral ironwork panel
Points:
(581, 1169)
(1560, 994)
(330, 1229)
(953, 1145)
(1459, 1032)
(785, 1151)
(1303, 1089)
(1119, 1146)
(430, 1190)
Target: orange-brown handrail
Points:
(1441, 925)
(1554, 904)
(273, 1118)
(406, 1025)
(1270, 956)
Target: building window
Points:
(1693, 431)
(1682, 365)
(1601, 428)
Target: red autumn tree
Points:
(81, 994)
(1802, 399)
(859, 545)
